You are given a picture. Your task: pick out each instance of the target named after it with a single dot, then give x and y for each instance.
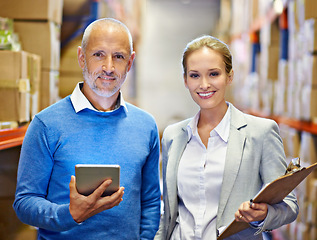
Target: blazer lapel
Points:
(175, 153)
(233, 158)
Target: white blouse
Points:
(199, 177)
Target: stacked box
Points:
(268, 67)
(34, 65)
(41, 38)
(312, 207)
(38, 24)
(14, 86)
(310, 34)
(306, 9)
(241, 16)
(70, 71)
(33, 10)
(309, 103)
(280, 97)
(49, 88)
(307, 155)
(302, 88)
(307, 81)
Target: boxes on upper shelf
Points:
(270, 34)
(292, 17)
(306, 9)
(51, 10)
(310, 33)
(41, 38)
(280, 89)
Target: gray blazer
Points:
(255, 157)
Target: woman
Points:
(215, 162)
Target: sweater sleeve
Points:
(34, 172)
(151, 194)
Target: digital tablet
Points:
(90, 176)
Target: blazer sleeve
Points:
(273, 157)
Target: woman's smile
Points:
(206, 95)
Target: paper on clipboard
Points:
(272, 193)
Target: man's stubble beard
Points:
(90, 79)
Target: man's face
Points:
(106, 60)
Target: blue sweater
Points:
(57, 139)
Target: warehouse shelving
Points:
(12, 137)
(299, 125)
(271, 16)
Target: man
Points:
(93, 125)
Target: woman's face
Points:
(206, 78)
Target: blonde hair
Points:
(212, 43)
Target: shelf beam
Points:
(12, 137)
(299, 125)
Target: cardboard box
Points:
(308, 150)
(270, 34)
(34, 72)
(49, 88)
(69, 60)
(41, 38)
(292, 17)
(292, 47)
(280, 98)
(312, 218)
(34, 104)
(306, 9)
(34, 67)
(51, 10)
(310, 31)
(14, 86)
(309, 103)
(293, 142)
(16, 101)
(68, 82)
(13, 65)
(310, 68)
(70, 71)
(273, 60)
(76, 7)
(268, 66)
(313, 105)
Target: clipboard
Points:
(272, 193)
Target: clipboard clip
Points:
(293, 166)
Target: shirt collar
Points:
(222, 129)
(80, 102)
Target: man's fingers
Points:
(100, 190)
(116, 198)
(72, 185)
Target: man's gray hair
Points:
(106, 21)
